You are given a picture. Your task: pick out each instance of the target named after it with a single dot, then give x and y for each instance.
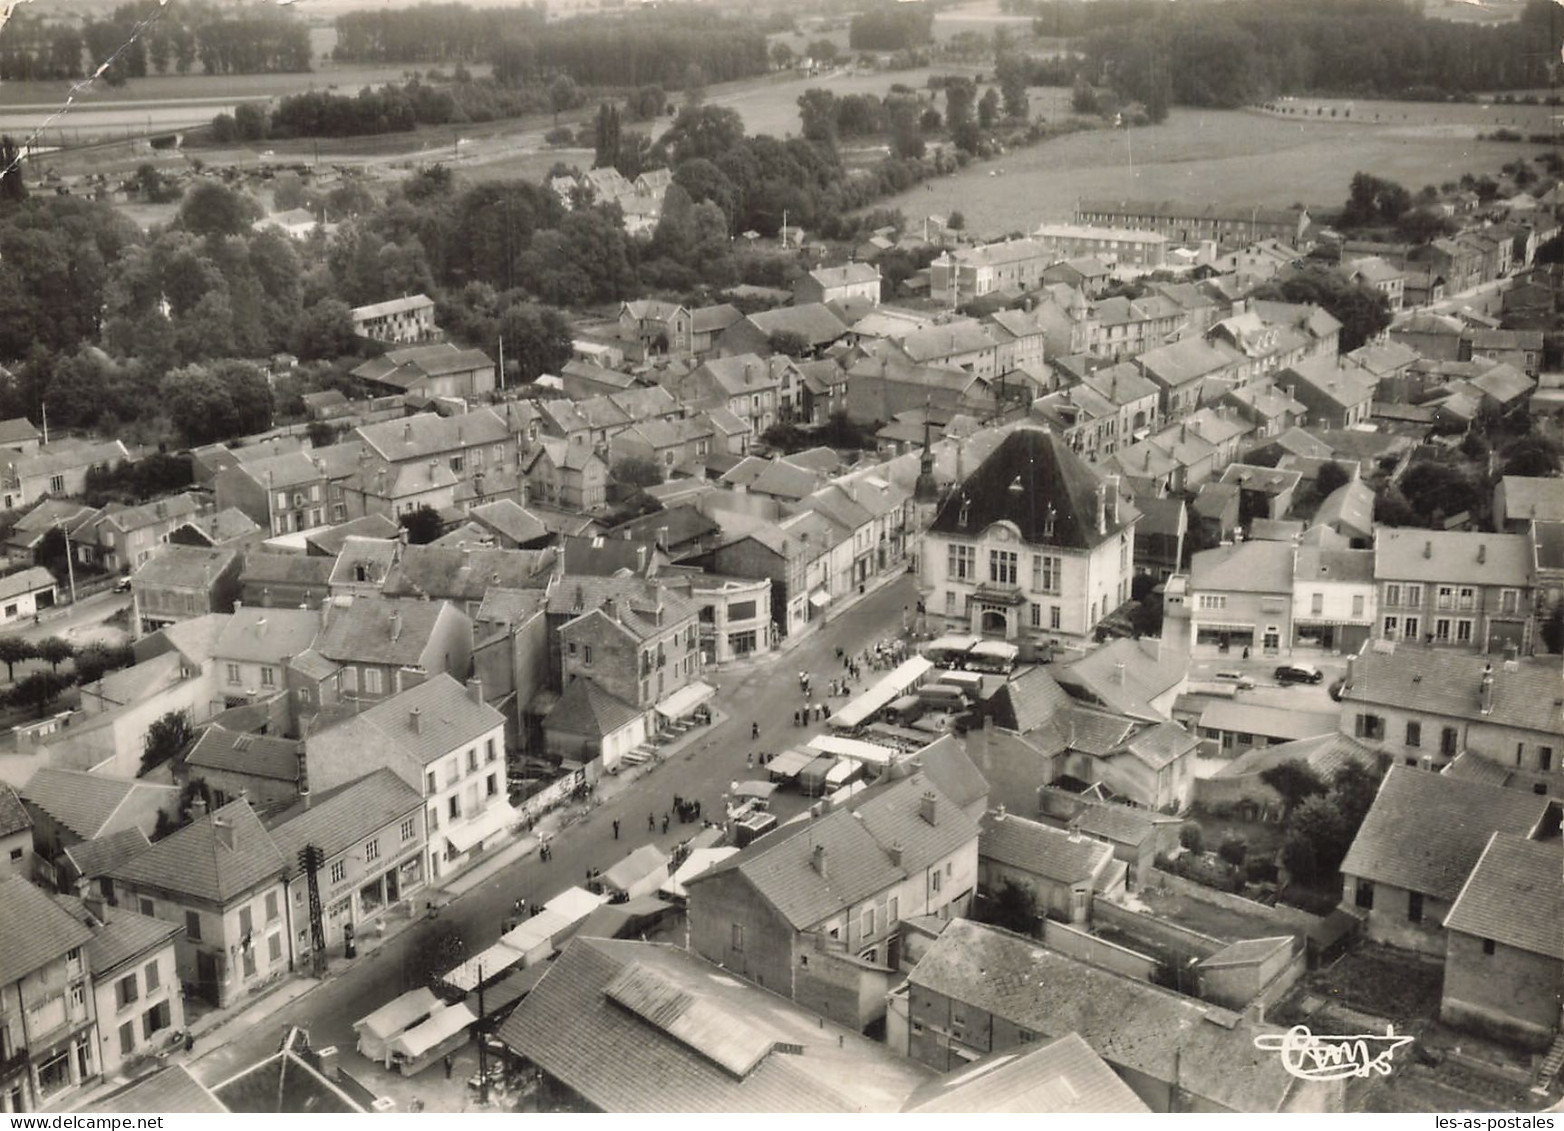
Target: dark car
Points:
(1298, 673)
(122, 585)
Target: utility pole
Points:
(311, 857)
(70, 568)
(483, 1046)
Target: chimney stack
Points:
(197, 808)
(1482, 553)
(1487, 689)
(1118, 672)
(895, 852)
(475, 690)
(225, 833)
(407, 431)
(999, 814)
(928, 807)
(396, 623)
(1102, 509)
(640, 558)
(304, 777)
(415, 720)
(96, 907)
(1428, 549)
(818, 860)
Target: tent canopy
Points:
(789, 763)
(907, 675)
(686, 699)
(441, 1025)
(391, 1018)
(870, 753)
(761, 789)
(493, 962)
(499, 815)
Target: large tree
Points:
(537, 340)
(1362, 312)
(213, 209)
(166, 739)
(14, 650)
(217, 401)
(1294, 781)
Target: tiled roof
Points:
(16, 430)
(586, 708)
(196, 861)
(945, 763)
(290, 469)
(1134, 1026)
(258, 755)
(454, 574)
(510, 606)
(346, 816)
(1028, 700)
(429, 434)
(1269, 480)
(1119, 823)
(186, 567)
(1515, 896)
(194, 639)
(13, 814)
(34, 929)
(87, 804)
(405, 367)
(125, 935)
(1062, 1077)
(1161, 745)
(165, 1090)
(1034, 481)
(1246, 952)
(510, 519)
(683, 523)
(379, 630)
(856, 840)
(1243, 567)
(1183, 361)
(329, 543)
(30, 580)
(266, 568)
(636, 598)
(54, 458)
(92, 858)
(447, 719)
(1425, 831)
(1351, 505)
(1527, 498)
(263, 635)
(1436, 681)
(1041, 850)
(226, 525)
(813, 320)
(632, 1027)
(1146, 675)
(1354, 567)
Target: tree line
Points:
(892, 27)
(672, 48)
(393, 108)
(145, 38)
(1246, 51)
(431, 33)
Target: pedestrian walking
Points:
(616, 828)
(450, 1066)
(189, 1040)
(651, 823)
(665, 822)
(795, 718)
(754, 730)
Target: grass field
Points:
(1228, 157)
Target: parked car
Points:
(1237, 679)
(1298, 673)
(122, 585)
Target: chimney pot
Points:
(817, 859)
(999, 814)
(928, 808)
(895, 852)
(475, 690)
(415, 720)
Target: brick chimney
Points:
(999, 814)
(197, 808)
(928, 807)
(817, 860)
(415, 720)
(894, 852)
(224, 832)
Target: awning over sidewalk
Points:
(820, 598)
(686, 699)
(496, 818)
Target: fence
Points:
(1155, 931)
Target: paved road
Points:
(766, 693)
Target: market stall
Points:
(380, 1028)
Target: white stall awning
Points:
(498, 817)
(685, 700)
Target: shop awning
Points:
(870, 753)
(761, 789)
(495, 819)
(788, 763)
(492, 962)
(685, 700)
(820, 598)
(907, 675)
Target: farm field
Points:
(1229, 157)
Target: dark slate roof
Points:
(946, 764)
(632, 1026)
(1030, 472)
(329, 543)
(1515, 896)
(448, 719)
(259, 755)
(196, 862)
(13, 814)
(1062, 1077)
(92, 858)
(366, 630)
(586, 708)
(1425, 831)
(1119, 823)
(34, 929)
(1040, 849)
(1130, 1024)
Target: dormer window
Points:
(1048, 521)
(965, 513)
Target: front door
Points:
(206, 976)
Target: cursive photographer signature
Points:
(1333, 1057)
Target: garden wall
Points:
(1140, 925)
(1287, 919)
(1099, 952)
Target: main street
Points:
(763, 692)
